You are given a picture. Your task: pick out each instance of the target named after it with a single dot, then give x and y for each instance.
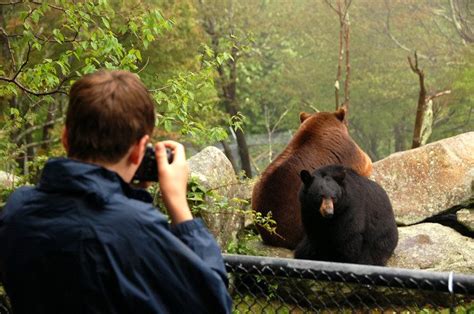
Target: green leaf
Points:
(58, 36)
(14, 111)
(35, 15)
(106, 22)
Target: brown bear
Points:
(321, 139)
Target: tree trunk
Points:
(342, 10)
(227, 82)
(231, 108)
(421, 107)
(424, 111)
(373, 143)
(337, 84)
(230, 91)
(427, 125)
(229, 155)
(48, 126)
(348, 64)
(398, 131)
(244, 153)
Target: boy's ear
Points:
(138, 150)
(64, 140)
(306, 177)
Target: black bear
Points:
(347, 218)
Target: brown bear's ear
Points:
(339, 175)
(306, 177)
(341, 113)
(304, 116)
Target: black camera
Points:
(148, 169)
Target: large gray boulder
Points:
(420, 182)
(256, 245)
(466, 217)
(434, 247)
(428, 180)
(214, 172)
(427, 246)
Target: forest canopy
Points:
(234, 73)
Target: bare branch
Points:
(342, 11)
(348, 65)
(34, 144)
(47, 39)
(29, 13)
(421, 107)
(440, 12)
(34, 2)
(50, 5)
(144, 66)
(346, 8)
(11, 3)
(449, 38)
(414, 67)
(460, 24)
(392, 37)
(10, 49)
(159, 88)
(464, 124)
(36, 127)
(331, 6)
(57, 90)
(339, 62)
(438, 94)
(22, 66)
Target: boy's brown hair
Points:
(108, 112)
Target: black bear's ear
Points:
(339, 175)
(341, 113)
(306, 177)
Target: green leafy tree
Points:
(225, 21)
(46, 46)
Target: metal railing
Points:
(280, 285)
(4, 304)
(277, 285)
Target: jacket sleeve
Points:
(189, 259)
(197, 237)
(200, 241)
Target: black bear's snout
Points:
(328, 216)
(327, 207)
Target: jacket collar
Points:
(63, 175)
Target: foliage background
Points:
(222, 70)
(275, 58)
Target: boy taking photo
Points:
(84, 241)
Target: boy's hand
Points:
(173, 179)
(141, 185)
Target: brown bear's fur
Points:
(322, 139)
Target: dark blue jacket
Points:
(83, 241)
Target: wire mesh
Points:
(278, 285)
(274, 285)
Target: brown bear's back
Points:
(322, 139)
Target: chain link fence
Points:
(4, 304)
(277, 285)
